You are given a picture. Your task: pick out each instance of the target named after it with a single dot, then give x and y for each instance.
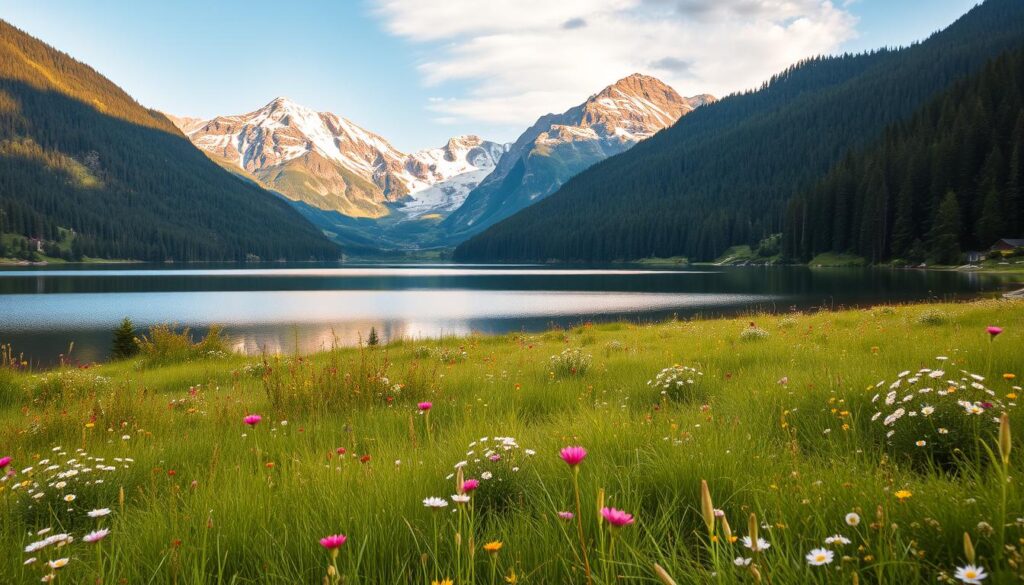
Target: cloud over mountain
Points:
(521, 58)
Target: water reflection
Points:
(309, 308)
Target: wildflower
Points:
(70, 498)
(442, 582)
(333, 542)
(96, 535)
(340, 450)
(993, 331)
(566, 515)
(470, 485)
(425, 406)
(493, 547)
(5, 461)
(971, 574)
(927, 410)
(819, 557)
(741, 561)
(1006, 376)
(460, 498)
(252, 420)
(760, 545)
(921, 443)
(434, 502)
(30, 560)
(573, 455)
(902, 495)
(59, 563)
(837, 538)
(364, 459)
(616, 518)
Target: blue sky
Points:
(417, 72)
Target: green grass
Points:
(831, 259)
(778, 424)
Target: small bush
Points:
(67, 384)
(571, 362)
(787, 322)
(614, 346)
(678, 382)
(753, 334)
(931, 416)
(932, 317)
(164, 345)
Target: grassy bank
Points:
(777, 419)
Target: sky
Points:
(420, 71)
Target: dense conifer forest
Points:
(726, 173)
(83, 164)
(947, 181)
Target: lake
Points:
(309, 307)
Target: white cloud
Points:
(524, 58)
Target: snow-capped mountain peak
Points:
(332, 163)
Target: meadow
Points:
(858, 446)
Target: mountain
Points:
(948, 180)
(332, 164)
(558, 146)
(725, 174)
(90, 172)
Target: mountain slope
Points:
(724, 174)
(332, 164)
(893, 199)
(77, 152)
(558, 146)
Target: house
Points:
(975, 257)
(1007, 245)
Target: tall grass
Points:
(780, 429)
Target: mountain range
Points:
(342, 175)
(331, 163)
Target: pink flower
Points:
(993, 330)
(470, 485)
(573, 455)
(424, 406)
(5, 461)
(566, 516)
(616, 518)
(333, 542)
(96, 535)
(252, 420)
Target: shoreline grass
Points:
(777, 422)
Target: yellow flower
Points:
(512, 579)
(1009, 376)
(903, 494)
(89, 425)
(1012, 395)
(443, 582)
(493, 546)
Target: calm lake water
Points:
(44, 309)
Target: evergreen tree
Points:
(944, 244)
(124, 345)
(373, 340)
(990, 225)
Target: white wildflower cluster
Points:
(53, 546)
(677, 381)
(753, 333)
(63, 476)
(492, 461)
(445, 355)
(935, 411)
(571, 362)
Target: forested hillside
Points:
(946, 181)
(76, 152)
(725, 174)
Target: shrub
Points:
(66, 384)
(932, 317)
(787, 322)
(678, 382)
(614, 346)
(932, 416)
(753, 333)
(571, 362)
(164, 345)
(445, 355)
